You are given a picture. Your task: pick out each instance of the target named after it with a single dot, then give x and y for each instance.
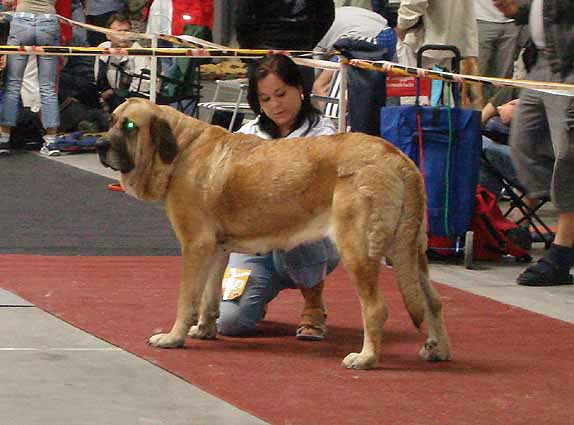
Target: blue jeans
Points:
(499, 157)
(27, 29)
(268, 277)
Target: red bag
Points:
(493, 233)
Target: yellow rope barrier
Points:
(195, 47)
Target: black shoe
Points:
(545, 273)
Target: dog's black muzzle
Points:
(102, 147)
(110, 156)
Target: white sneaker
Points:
(4, 148)
(48, 149)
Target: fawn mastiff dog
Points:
(226, 192)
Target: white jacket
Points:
(451, 22)
(133, 65)
(324, 127)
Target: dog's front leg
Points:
(196, 256)
(209, 310)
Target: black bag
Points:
(28, 132)
(75, 115)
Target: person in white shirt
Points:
(451, 22)
(284, 110)
(119, 77)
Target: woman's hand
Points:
(506, 111)
(400, 33)
(509, 8)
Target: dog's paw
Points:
(166, 341)
(433, 351)
(203, 331)
(359, 361)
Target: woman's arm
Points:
(519, 10)
(323, 82)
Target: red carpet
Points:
(510, 366)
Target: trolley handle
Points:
(455, 67)
(445, 48)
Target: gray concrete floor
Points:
(54, 374)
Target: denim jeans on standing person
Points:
(28, 29)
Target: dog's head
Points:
(142, 146)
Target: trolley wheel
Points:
(468, 248)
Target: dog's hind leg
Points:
(364, 272)
(420, 298)
(437, 345)
(209, 310)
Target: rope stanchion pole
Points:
(153, 72)
(342, 125)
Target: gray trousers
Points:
(542, 139)
(497, 49)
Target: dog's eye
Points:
(129, 125)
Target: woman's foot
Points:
(312, 326)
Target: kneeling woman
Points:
(284, 110)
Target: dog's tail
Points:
(409, 257)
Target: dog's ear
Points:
(164, 139)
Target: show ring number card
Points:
(234, 282)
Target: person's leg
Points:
(531, 149)
(48, 34)
(560, 112)
(487, 35)
(79, 34)
(495, 159)
(239, 316)
(309, 265)
(21, 33)
(312, 326)
(554, 267)
(505, 52)
(15, 67)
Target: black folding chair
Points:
(181, 89)
(517, 201)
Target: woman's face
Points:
(280, 102)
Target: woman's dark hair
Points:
(282, 66)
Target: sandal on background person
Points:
(551, 270)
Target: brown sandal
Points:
(312, 326)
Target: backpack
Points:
(28, 132)
(494, 234)
(78, 141)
